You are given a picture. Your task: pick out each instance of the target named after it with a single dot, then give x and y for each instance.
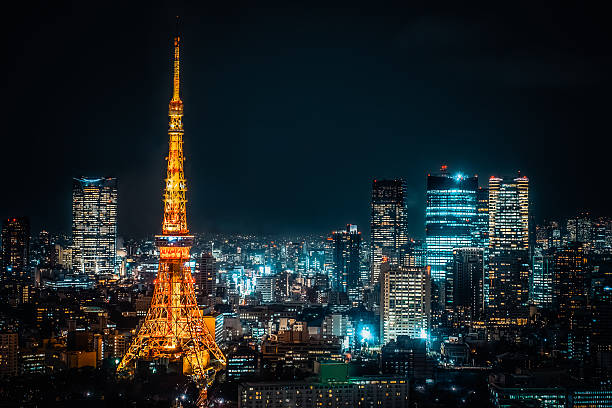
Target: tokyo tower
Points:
(175, 327)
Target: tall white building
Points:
(404, 302)
(94, 225)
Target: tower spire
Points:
(177, 63)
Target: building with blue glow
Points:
(450, 222)
(541, 279)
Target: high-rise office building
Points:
(345, 245)
(388, 222)
(404, 302)
(570, 281)
(482, 218)
(206, 276)
(15, 248)
(541, 279)
(450, 222)
(94, 225)
(467, 272)
(509, 213)
(507, 275)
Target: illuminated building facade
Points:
(466, 285)
(450, 222)
(383, 392)
(388, 222)
(509, 213)
(94, 225)
(206, 276)
(571, 286)
(541, 279)
(482, 218)
(15, 248)
(507, 276)
(404, 302)
(175, 328)
(345, 247)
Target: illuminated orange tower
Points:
(175, 327)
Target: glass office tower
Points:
(94, 225)
(450, 222)
(507, 277)
(345, 246)
(389, 225)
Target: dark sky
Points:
(291, 110)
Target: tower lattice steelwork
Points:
(175, 327)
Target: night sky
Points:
(291, 110)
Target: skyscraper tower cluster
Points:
(476, 267)
(397, 275)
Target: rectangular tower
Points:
(388, 222)
(94, 225)
(467, 282)
(541, 279)
(15, 248)
(206, 276)
(404, 302)
(450, 222)
(507, 276)
(345, 246)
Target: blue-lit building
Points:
(450, 222)
(541, 279)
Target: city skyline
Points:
(478, 301)
(257, 93)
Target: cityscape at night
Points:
(343, 205)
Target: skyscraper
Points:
(509, 213)
(570, 281)
(450, 222)
(541, 279)
(482, 218)
(388, 222)
(507, 275)
(467, 282)
(206, 276)
(404, 302)
(345, 245)
(15, 248)
(94, 225)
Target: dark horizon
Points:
(290, 112)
